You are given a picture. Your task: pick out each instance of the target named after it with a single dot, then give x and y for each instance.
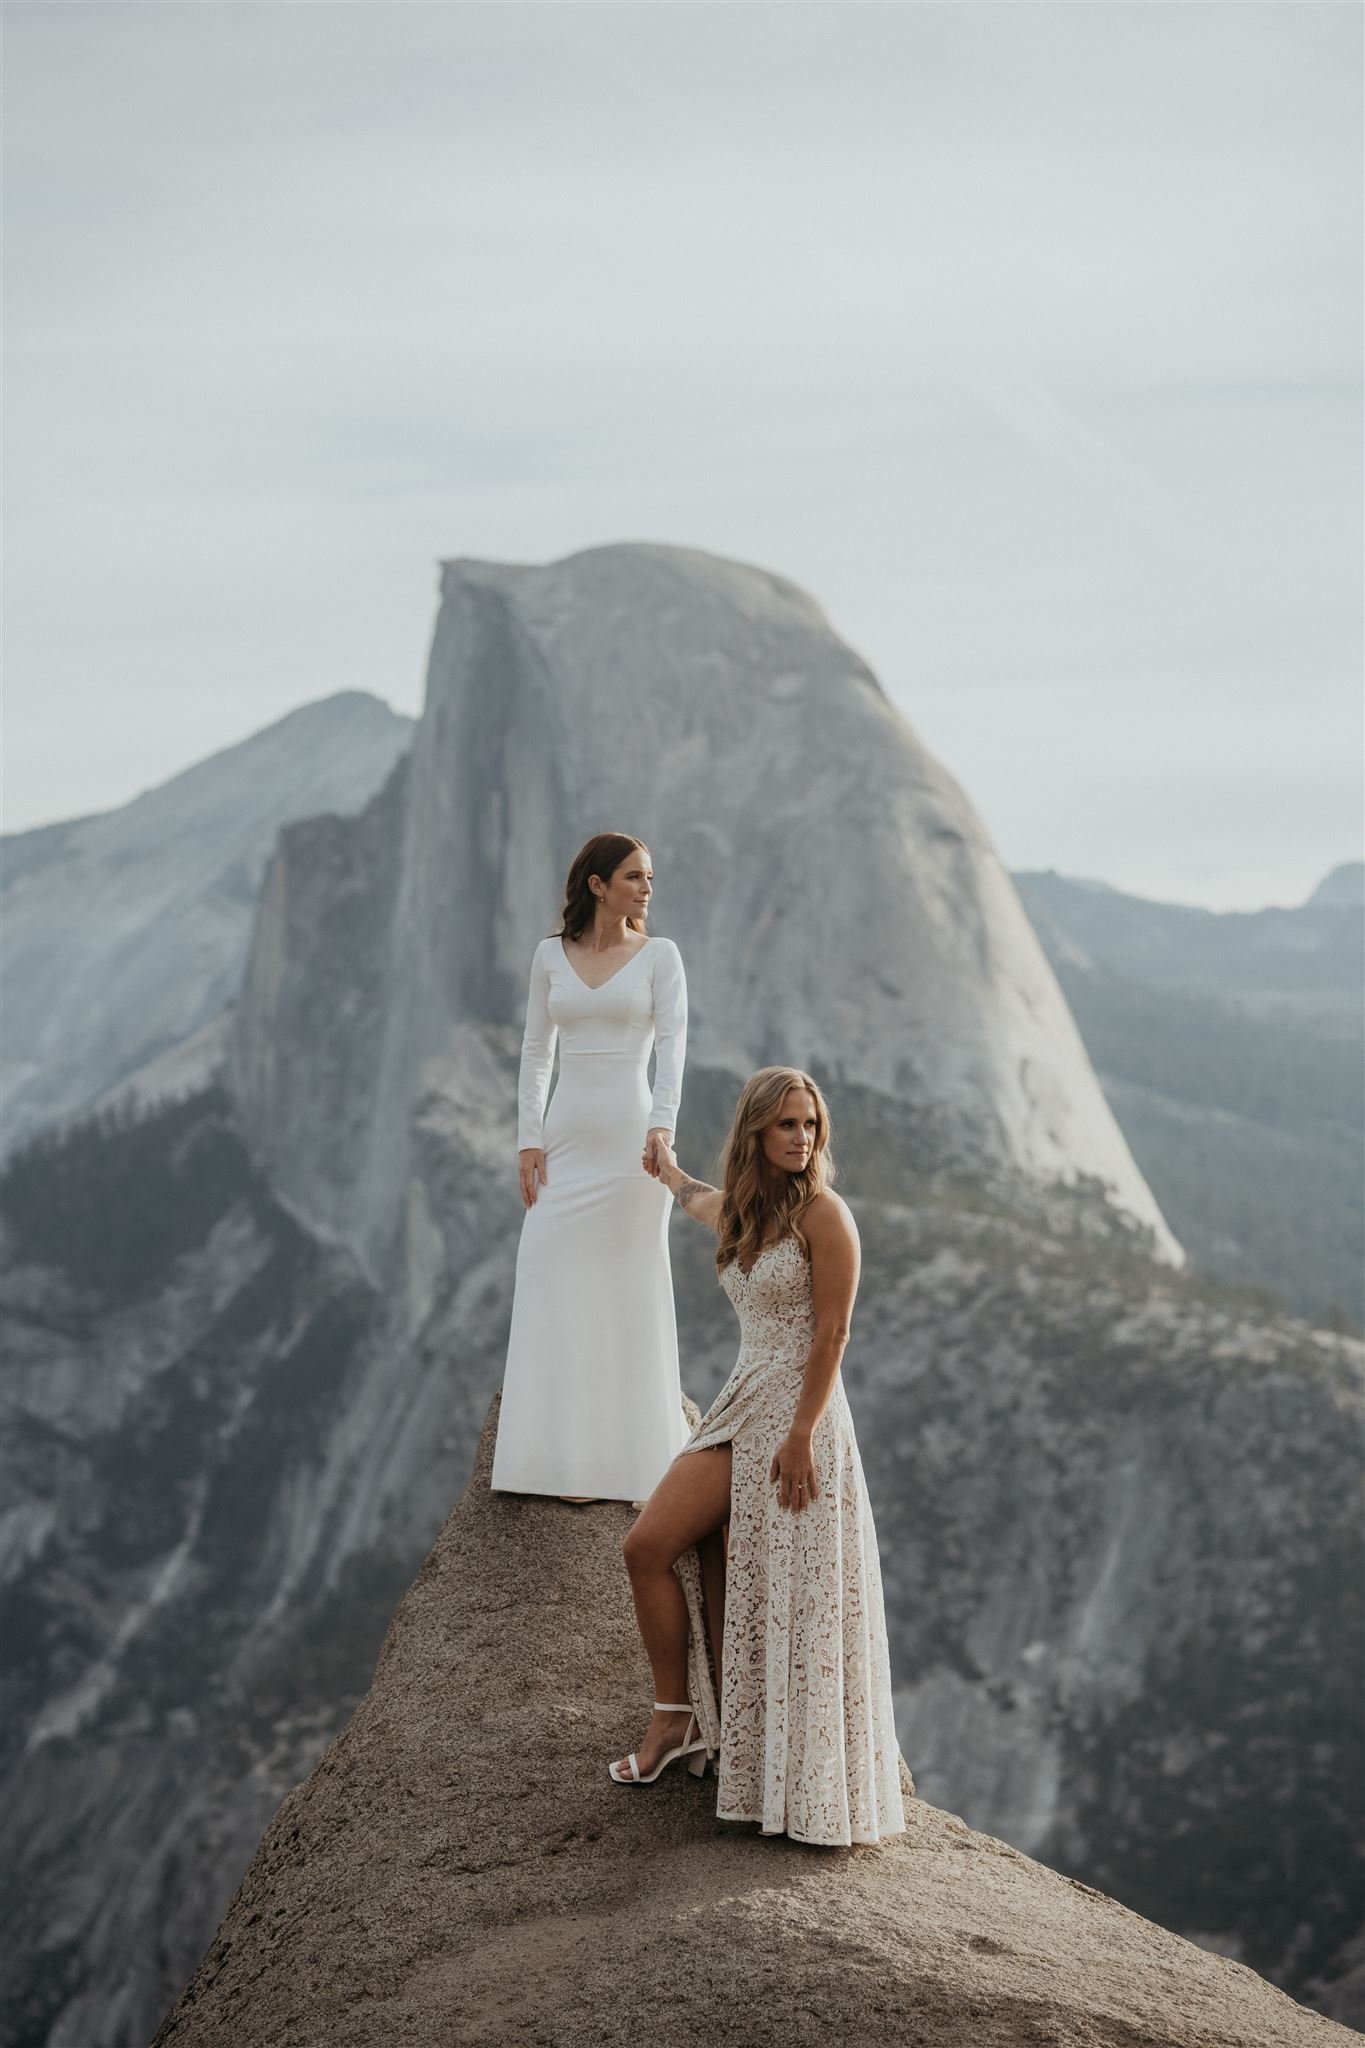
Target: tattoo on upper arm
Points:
(687, 1189)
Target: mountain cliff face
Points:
(1231, 1048)
(123, 934)
(835, 896)
(459, 1868)
(1345, 884)
(175, 1348)
(258, 1335)
(1308, 960)
(1117, 1512)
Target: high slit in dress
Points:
(804, 1729)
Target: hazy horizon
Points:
(1101, 881)
(1026, 340)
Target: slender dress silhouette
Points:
(804, 1726)
(591, 1402)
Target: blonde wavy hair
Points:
(757, 1204)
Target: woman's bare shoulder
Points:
(826, 1221)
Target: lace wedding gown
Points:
(591, 1402)
(804, 1726)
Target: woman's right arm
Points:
(694, 1196)
(533, 1080)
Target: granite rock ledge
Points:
(458, 1868)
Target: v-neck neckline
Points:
(595, 987)
(767, 1249)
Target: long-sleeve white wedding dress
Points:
(591, 1402)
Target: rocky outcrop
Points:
(123, 934)
(836, 898)
(459, 1868)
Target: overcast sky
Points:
(1026, 337)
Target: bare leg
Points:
(690, 1502)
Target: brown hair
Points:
(753, 1199)
(601, 856)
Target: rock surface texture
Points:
(458, 1868)
(125, 933)
(836, 898)
(1118, 1516)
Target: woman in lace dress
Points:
(788, 1614)
(591, 1406)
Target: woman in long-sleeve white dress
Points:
(591, 1404)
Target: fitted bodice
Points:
(616, 1017)
(612, 1030)
(773, 1303)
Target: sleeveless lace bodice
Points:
(773, 1303)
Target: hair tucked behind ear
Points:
(601, 856)
(757, 1203)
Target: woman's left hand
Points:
(793, 1472)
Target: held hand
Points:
(532, 1173)
(793, 1473)
(658, 1153)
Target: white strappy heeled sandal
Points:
(688, 1747)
